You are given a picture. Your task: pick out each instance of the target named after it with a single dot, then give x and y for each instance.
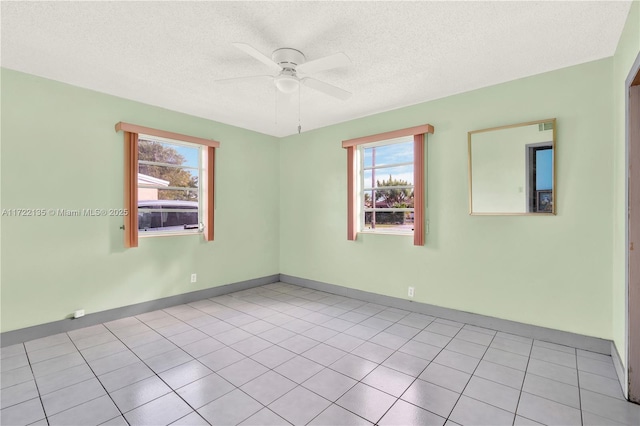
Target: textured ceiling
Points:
(169, 53)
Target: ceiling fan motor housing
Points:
(288, 58)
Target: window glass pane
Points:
(389, 154)
(388, 221)
(167, 215)
(389, 176)
(167, 176)
(544, 174)
(162, 152)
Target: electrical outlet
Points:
(411, 291)
(79, 313)
(194, 278)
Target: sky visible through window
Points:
(389, 154)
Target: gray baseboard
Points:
(620, 371)
(588, 343)
(25, 334)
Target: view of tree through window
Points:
(388, 187)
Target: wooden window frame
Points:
(131, 132)
(419, 140)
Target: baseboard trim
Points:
(588, 343)
(620, 371)
(37, 331)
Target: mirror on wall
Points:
(512, 169)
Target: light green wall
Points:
(552, 271)
(499, 168)
(60, 150)
(626, 53)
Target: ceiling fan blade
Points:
(252, 51)
(326, 88)
(327, 63)
(248, 77)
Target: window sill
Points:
(400, 234)
(165, 234)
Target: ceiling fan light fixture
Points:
(286, 83)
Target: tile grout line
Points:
(523, 380)
(46, 418)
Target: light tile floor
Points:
(281, 354)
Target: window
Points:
(387, 188)
(385, 183)
(169, 195)
(169, 183)
(540, 177)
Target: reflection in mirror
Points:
(512, 169)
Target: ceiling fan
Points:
(292, 69)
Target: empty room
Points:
(320, 213)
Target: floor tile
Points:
(417, 320)
(174, 329)
(22, 414)
(187, 337)
(184, 374)
(191, 419)
(265, 417)
(221, 358)
(470, 412)
(554, 346)
(95, 340)
(161, 411)
(298, 344)
(431, 397)
(406, 363)
(421, 350)
(268, 387)
(64, 378)
(299, 406)
(594, 355)
(403, 331)
(202, 347)
(388, 340)
(515, 337)
(232, 336)
(433, 339)
(387, 380)
(125, 376)
(500, 374)
(93, 412)
(553, 371)
(492, 393)
(205, 390)
(353, 366)
(546, 411)
(467, 348)
(338, 416)
(213, 329)
(56, 364)
(373, 352)
(71, 396)
(13, 350)
(447, 377)
(610, 408)
(320, 333)
(443, 329)
(141, 339)
(298, 369)
(554, 356)
(242, 371)
(456, 360)
(257, 327)
(18, 393)
(553, 390)
(475, 337)
(116, 421)
(507, 359)
(377, 324)
(109, 363)
(155, 348)
(404, 414)
(600, 384)
(353, 317)
(590, 419)
(329, 384)
(47, 353)
(273, 356)
(523, 421)
(595, 366)
(46, 342)
(139, 393)
(361, 332)
(277, 335)
(15, 376)
(105, 349)
(168, 360)
(512, 346)
(366, 402)
(324, 354)
(344, 342)
(251, 345)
